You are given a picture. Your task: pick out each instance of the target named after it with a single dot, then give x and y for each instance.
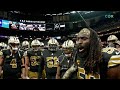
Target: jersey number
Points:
(52, 62)
(82, 75)
(34, 61)
(13, 63)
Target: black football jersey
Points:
(51, 60)
(81, 73)
(34, 59)
(12, 63)
(110, 58)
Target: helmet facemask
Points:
(14, 46)
(35, 47)
(14, 43)
(25, 47)
(53, 44)
(67, 47)
(112, 43)
(53, 47)
(112, 39)
(68, 52)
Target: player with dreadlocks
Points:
(91, 41)
(88, 55)
(90, 61)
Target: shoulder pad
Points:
(1, 53)
(114, 61)
(109, 50)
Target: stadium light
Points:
(59, 14)
(73, 12)
(54, 14)
(67, 13)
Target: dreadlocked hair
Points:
(93, 60)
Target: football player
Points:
(12, 60)
(25, 45)
(91, 61)
(65, 60)
(111, 58)
(49, 63)
(112, 39)
(32, 59)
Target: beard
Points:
(83, 54)
(83, 51)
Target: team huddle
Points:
(83, 59)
